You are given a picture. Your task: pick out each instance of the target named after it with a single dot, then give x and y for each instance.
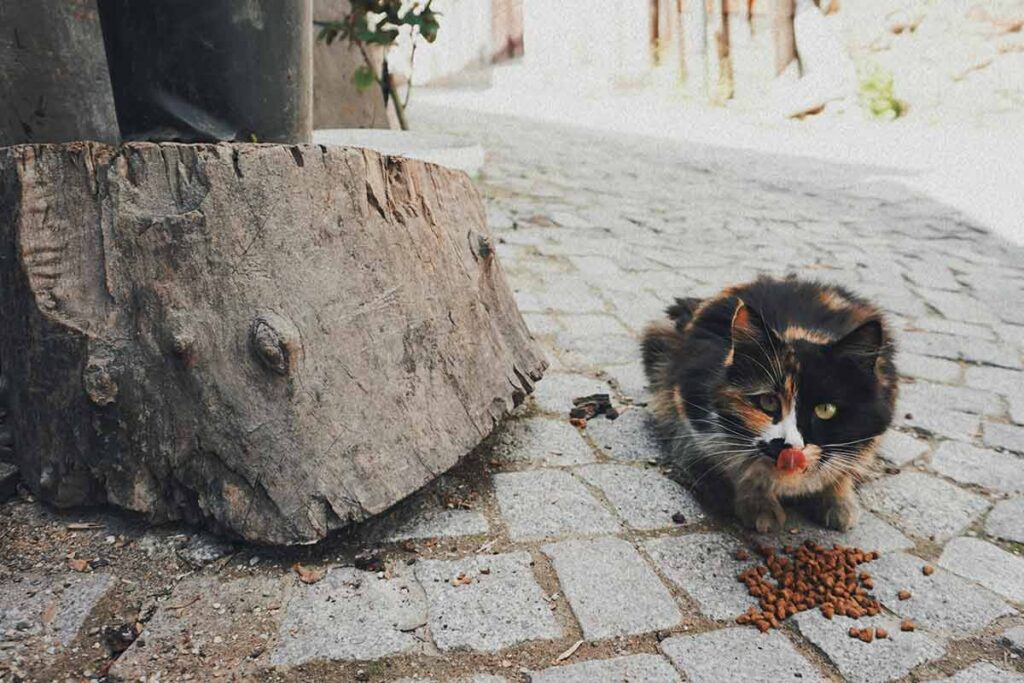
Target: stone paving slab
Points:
(870, 533)
(49, 605)
(901, 448)
(738, 654)
(998, 435)
(540, 504)
(554, 393)
(942, 603)
(611, 589)
(643, 497)
(983, 672)
(986, 564)
(881, 660)
(1014, 639)
(629, 669)
(475, 678)
(502, 605)
(542, 441)
(439, 524)
(351, 615)
(704, 566)
(206, 623)
(630, 438)
(923, 505)
(1006, 521)
(930, 369)
(987, 468)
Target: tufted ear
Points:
(750, 333)
(863, 344)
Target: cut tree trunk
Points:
(271, 340)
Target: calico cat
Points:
(781, 388)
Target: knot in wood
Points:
(99, 385)
(275, 342)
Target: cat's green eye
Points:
(768, 403)
(825, 411)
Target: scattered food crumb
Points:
(903, 595)
(462, 580)
(927, 570)
(307, 575)
(907, 625)
(742, 555)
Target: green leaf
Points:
(363, 78)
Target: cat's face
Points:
(803, 408)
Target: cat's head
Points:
(805, 407)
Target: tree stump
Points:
(271, 340)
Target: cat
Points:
(781, 388)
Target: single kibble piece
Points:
(867, 635)
(903, 595)
(927, 570)
(907, 625)
(854, 632)
(881, 633)
(742, 555)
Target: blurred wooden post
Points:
(724, 88)
(784, 37)
(696, 45)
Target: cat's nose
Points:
(774, 447)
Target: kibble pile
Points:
(806, 577)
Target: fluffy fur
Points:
(760, 367)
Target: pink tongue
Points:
(791, 460)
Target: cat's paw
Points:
(764, 515)
(838, 512)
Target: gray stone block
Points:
(987, 564)
(351, 615)
(501, 606)
(542, 440)
(990, 469)
(942, 603)
(859, 662)
(1006, 521)
(704, 566)
(554, 393)
(983, 672)
(923, 505)
(631, 437)
(643, 497)
(52, 606)
(1010, 437)
(871, 533)
(901, 448)
(632, 668)
(929, 368)
(218, 620)
(738, 654)
(1014, 639)
(611, 589)
(541, 504)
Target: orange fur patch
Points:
(796, 332)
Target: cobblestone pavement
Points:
(556, 555)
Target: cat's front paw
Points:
(762, 514)
(840, 513)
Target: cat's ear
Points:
(863, 344)
(748, 327)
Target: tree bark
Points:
(275, 341)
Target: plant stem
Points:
(387, 88)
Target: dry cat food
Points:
(806, 577)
